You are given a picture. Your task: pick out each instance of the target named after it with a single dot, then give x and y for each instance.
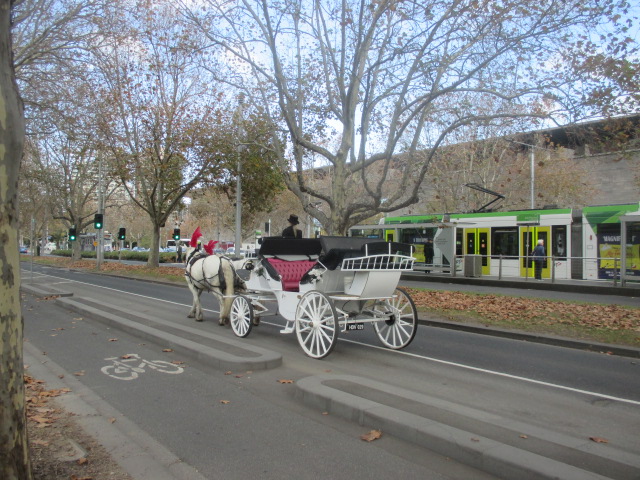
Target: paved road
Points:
(490, 388)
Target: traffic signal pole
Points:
(100, 247)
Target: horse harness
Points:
(205, 283)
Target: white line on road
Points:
(422, 357)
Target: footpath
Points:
(550, 456)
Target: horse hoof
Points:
(199, 319)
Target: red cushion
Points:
(291, 272)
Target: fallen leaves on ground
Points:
(50, 430)
(371, 436)
(598, 439)
(511, 309)
(285, 381)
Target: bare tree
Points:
(14, 451)
(355, 83)
(159, 121)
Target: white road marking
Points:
(398, 352)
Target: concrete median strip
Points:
(419, 419)
(231, 354)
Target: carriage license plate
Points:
(355, 326)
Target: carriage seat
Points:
(291, 271)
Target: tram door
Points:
(477, 243)
(529, 237)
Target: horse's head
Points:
(191, 251)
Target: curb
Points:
(485, 454)
(627, 291)
(134, 450)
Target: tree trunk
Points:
(14, 451)
(154, 253)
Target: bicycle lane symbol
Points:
(129, 366)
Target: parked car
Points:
(24, 249)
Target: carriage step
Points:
(287, 330)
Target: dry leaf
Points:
(285, 381)
(475, 439)
(225, 402)
(113, 339)
(371, 436)
(79, 374)
(523, 436)
(167, 350)
(177, 362)
(598, 439)
(127, 356)
(228, 373)
(82, 461)
(112, 420)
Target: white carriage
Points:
(327, 285)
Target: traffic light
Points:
(176, 234)
(72, 234)
(98, 221)
(122, 233)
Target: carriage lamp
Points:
(72, 234)
(176, 234)
(122, 233)
(98, 221)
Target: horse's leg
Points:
(196, 308)
(227, 300)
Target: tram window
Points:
(356, 232)
(504, 241)
(559, 241)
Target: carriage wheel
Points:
(316, 324)
(400, 328)
(241, 316)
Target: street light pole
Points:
(533, 171)
(240, 137)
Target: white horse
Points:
(215, 274)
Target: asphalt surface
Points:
(359, 400)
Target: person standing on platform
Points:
(538, 255)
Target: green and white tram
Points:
(580, 243)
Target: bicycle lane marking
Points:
(130, 365)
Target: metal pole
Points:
(240, 138)
(238, 239)
(533, 176)
(100, 248)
